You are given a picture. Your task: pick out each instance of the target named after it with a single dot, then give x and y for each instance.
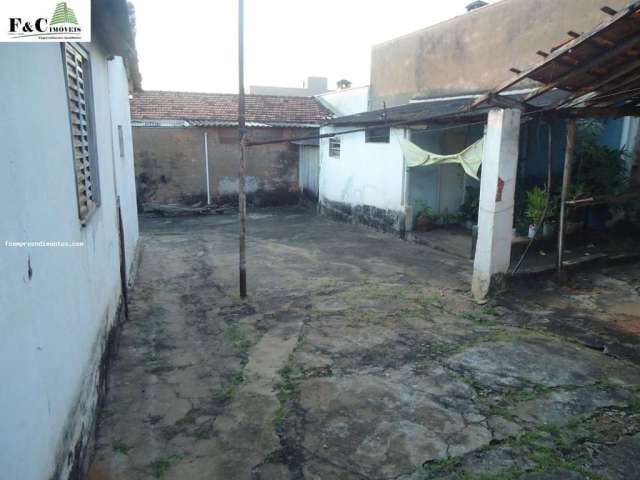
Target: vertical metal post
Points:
(206, 167)
(566, 183)
(242, 198)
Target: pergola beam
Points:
(611, 78)
(584, 69)
(595, 36)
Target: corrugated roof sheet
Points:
(452, 109)
(219, 107)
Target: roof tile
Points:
(155, 105)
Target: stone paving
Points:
(360, 356)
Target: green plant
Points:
(536, 205)
(446, 218)
(469, 208)
(424, 218)
(161, 465)
(553, 210)
(598, 170)
(424, 210)
(234, 335)
(120, 447)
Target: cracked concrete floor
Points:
(360, 356)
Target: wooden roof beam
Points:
(613, 97)
(634, 40)
(621, 73)
(630, 10)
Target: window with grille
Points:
(78, 77)
(377, 135)
(334, 147)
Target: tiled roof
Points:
(222, 107)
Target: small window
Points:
(121, 140)
(78, 76)
(377, 135)
(334, 147)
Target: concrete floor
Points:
(361, 356)
(581, 248)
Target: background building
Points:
(474, 52)
(312, 86)
(186, 144)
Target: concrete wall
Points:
(312, 86)
(57, 304)
(474, 52)
(347, 101)
(170, 165)
(366, 183)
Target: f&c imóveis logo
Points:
(64, 24)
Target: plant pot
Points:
(549, 230)
(424, 224)
(532, 231)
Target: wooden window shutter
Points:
(76, 67)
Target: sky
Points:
(191, 45)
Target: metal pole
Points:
(206, 167)
(242, 198)
(566, 183)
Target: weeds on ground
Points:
(120, 447)
(234, 335)
(160, 466)
(232, 389)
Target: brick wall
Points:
(170, 165)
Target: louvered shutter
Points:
(76, 65)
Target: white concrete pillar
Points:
(497, 189)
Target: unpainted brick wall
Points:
(170, 165)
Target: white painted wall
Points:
(53, 324)
(123, 161)
(369, 174)
(346, 102)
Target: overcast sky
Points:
(191, 45)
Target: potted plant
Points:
(425, 219)
(550, 226)
(536, 206)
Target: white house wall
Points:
(123, 161)
(56, 304)
(366, 182)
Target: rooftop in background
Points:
(222, 109)
(313, 86)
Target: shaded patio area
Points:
(581, 249)
(361, 356)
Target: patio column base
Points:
(497, 191)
